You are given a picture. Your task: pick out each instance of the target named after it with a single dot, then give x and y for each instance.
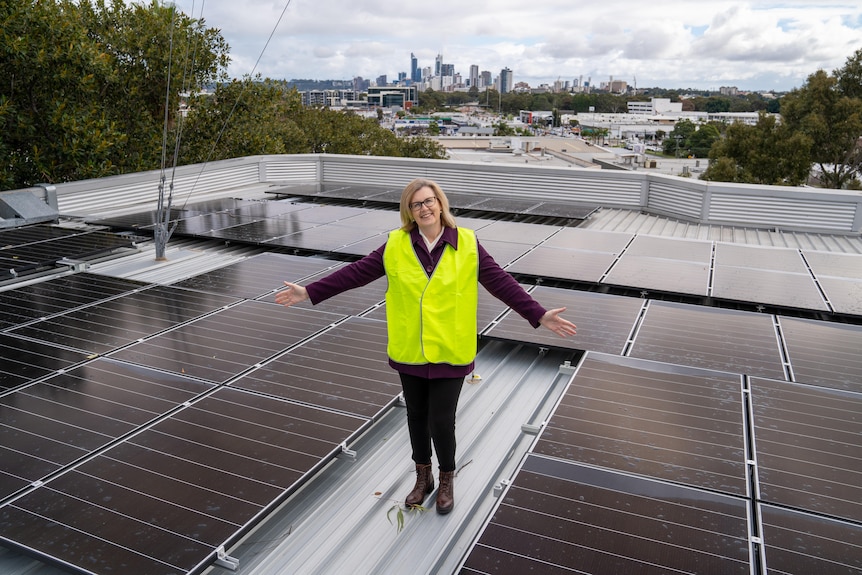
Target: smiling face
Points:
(425, 209)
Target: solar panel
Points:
(677, 424)
(590, 240)
(563, 210)
(258, 232)
(23, 361)
(562, 518)
(105, 326)
(825, 354)
(59, 295)
(324, 238)
(222, 345)
(352, 302)
(759, 257)
(844, 295)
(669, 275)
(670, 248)
(605, 322)
(834, 264)
(562, 263)
(505, 205)
(66, 417)
(269, 209)
(363, 247)
(710, 338)
(504, 252)
(207, 224)
(257, 276)
(767, 287)
(796, 542)
(353, 192)
(51, 247)
(516, 232)
(808, 448)
(344, 369)
(168, 499)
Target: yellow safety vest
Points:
(432, 320)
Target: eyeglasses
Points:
(427, 202)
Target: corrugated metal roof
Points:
(635, 222)
(337, 523)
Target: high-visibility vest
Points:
(432, 319)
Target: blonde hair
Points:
(407, 220)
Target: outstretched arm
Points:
(559, 325)
(293, 294)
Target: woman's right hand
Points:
(293, 294)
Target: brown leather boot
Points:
(445, 495)
(424, 485)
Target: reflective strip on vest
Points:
(432, 320)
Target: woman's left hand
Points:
(559, 325)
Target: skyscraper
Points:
(474, 75)
(438, 65)
(505, 81)
(415, 73)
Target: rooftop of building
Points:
(715, 371)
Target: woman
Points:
(433, 269)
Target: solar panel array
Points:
(31, 248)
(145, 428)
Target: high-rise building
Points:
(438, 65)
(505, 81)
(415, 73)
(474, 76)
(381, 80)
(485, 79)
(447, 70)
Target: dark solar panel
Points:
(759, 257)
(504, 252)
(224, 344)
(605, 322)
(669, 275)
(561, 263)
(671, 248)
(39, 246)
(324, 238)
(563, 210)
(261, 231)
(796, 542)
(834, 264)
(53, 423)
(207, 224)
(505, 205)
(257, 276)
(562, 518)
(767, 287)
(678, 424)
(105, 326)
(58, 295)
(709, 338)
(344, 369)
(589, 240)
(22, 361)
(269, 209)
(352, 302)
(516, 232)
(166, 500)
(844, 295)
(353, 192)
(363, 247)
(808, 448)
(825, 354)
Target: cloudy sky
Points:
(754, 45)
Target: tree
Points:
(84, 85)
(828, 110)
(678, 138)
(766, 153)
(702, 140)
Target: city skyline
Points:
(754, 45)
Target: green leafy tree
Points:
(828, 110)
(766, 153)
(676, 142)
(702, 140)
(83, 84)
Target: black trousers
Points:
(431, 405)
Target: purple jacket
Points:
(492, 277)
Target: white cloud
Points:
(675, 43)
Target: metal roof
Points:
(340, 521)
